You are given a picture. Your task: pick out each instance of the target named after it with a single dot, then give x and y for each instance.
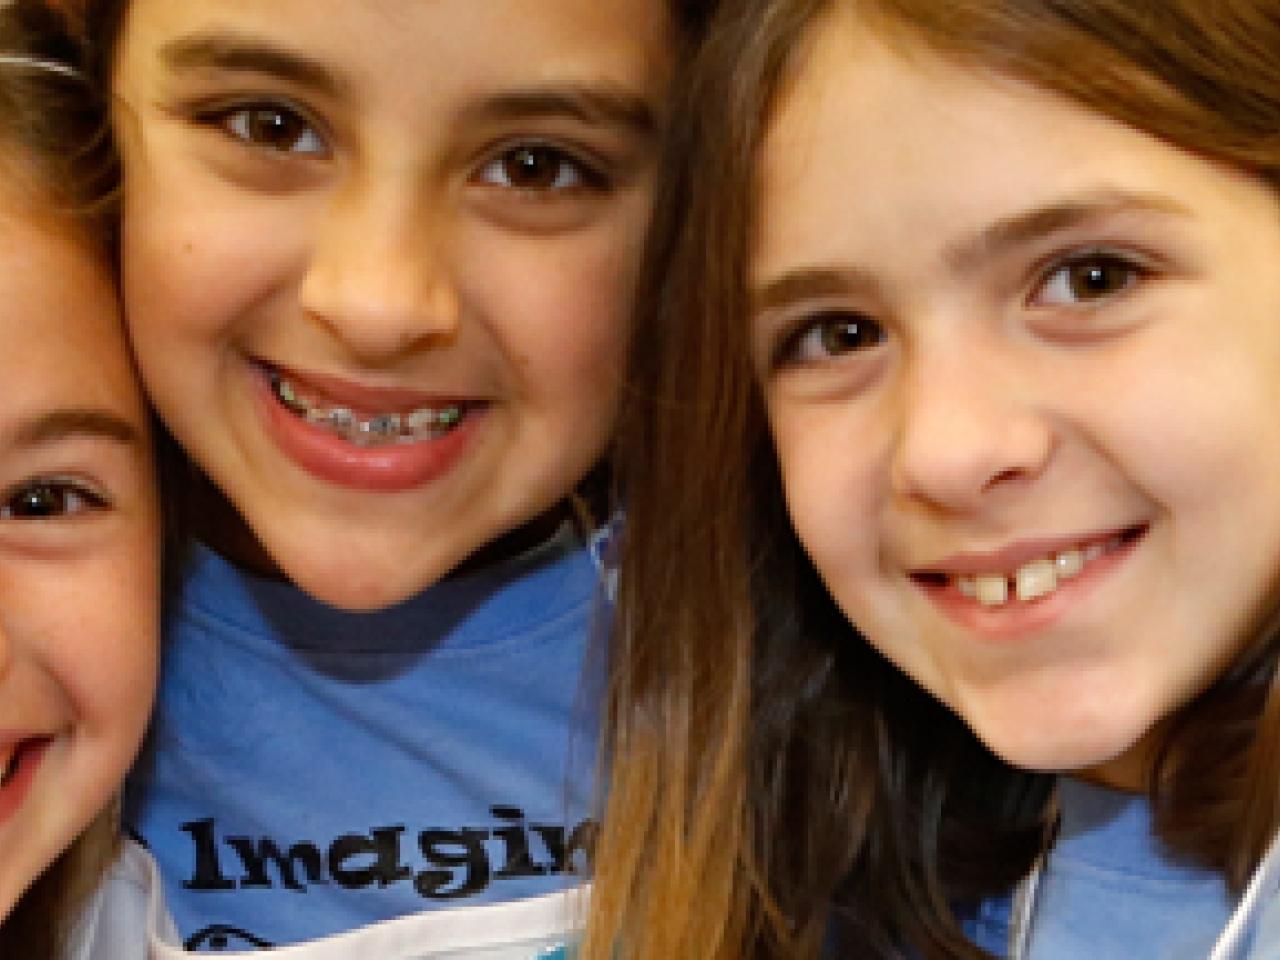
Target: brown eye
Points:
(533, 168)
(846, 334)
(273, 127)
(43, 499)
(1089, 279)
(539, 168)
(833, 334)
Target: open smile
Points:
(1025, 586)
(371, 438)
(366, 427)
(21, 759)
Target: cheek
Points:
(559, 308)
(830, 488)
(98, 639)
(195, 265)
(119, 617)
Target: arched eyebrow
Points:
(997, 239)
(593, 104)
(1073, 211)
(237, 52)
(57, 425)
(602, 105)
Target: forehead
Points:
(910, 145)
(420, 45)
(64, 343)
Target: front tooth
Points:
(420, 419)
(966, 586)
(340, 418)
(1068, 563)
(1035, 580)
(991, 591)
(383, 425)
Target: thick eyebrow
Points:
(58, 425)
(596, 106)
(999, 238)
(811, 283)
(235, 52)
(1083, 209)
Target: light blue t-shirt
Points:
(1112, 891)
(310, 770)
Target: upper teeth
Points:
(376, 429)
(1035, 579)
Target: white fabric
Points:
(127, 920)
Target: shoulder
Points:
(1258, 923)
(125, 915)
(127, 920)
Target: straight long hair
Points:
(773, 782)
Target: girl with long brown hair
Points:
(953, 483)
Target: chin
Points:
(361, 591)
(1083, 751)
(363, 580)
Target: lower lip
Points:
(388, 468)
(1017, 618)
(15, 791)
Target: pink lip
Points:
(1018, 619)
(31, 751)
(359, 396)
(388, 468)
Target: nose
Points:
(377, 277)
(970, 429)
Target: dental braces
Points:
(379, 429)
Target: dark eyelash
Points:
(1139, 267)
(593, 170)
(216, 115)
(788, 339)
(66, 487)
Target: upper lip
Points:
(1014, 555)
(339, 389)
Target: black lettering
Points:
(517, 863)
(581, 841)
(255, 860)
(384, 848)
(208, 874)
(449, 849)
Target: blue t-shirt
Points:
(1112, 891)
(311, 770)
